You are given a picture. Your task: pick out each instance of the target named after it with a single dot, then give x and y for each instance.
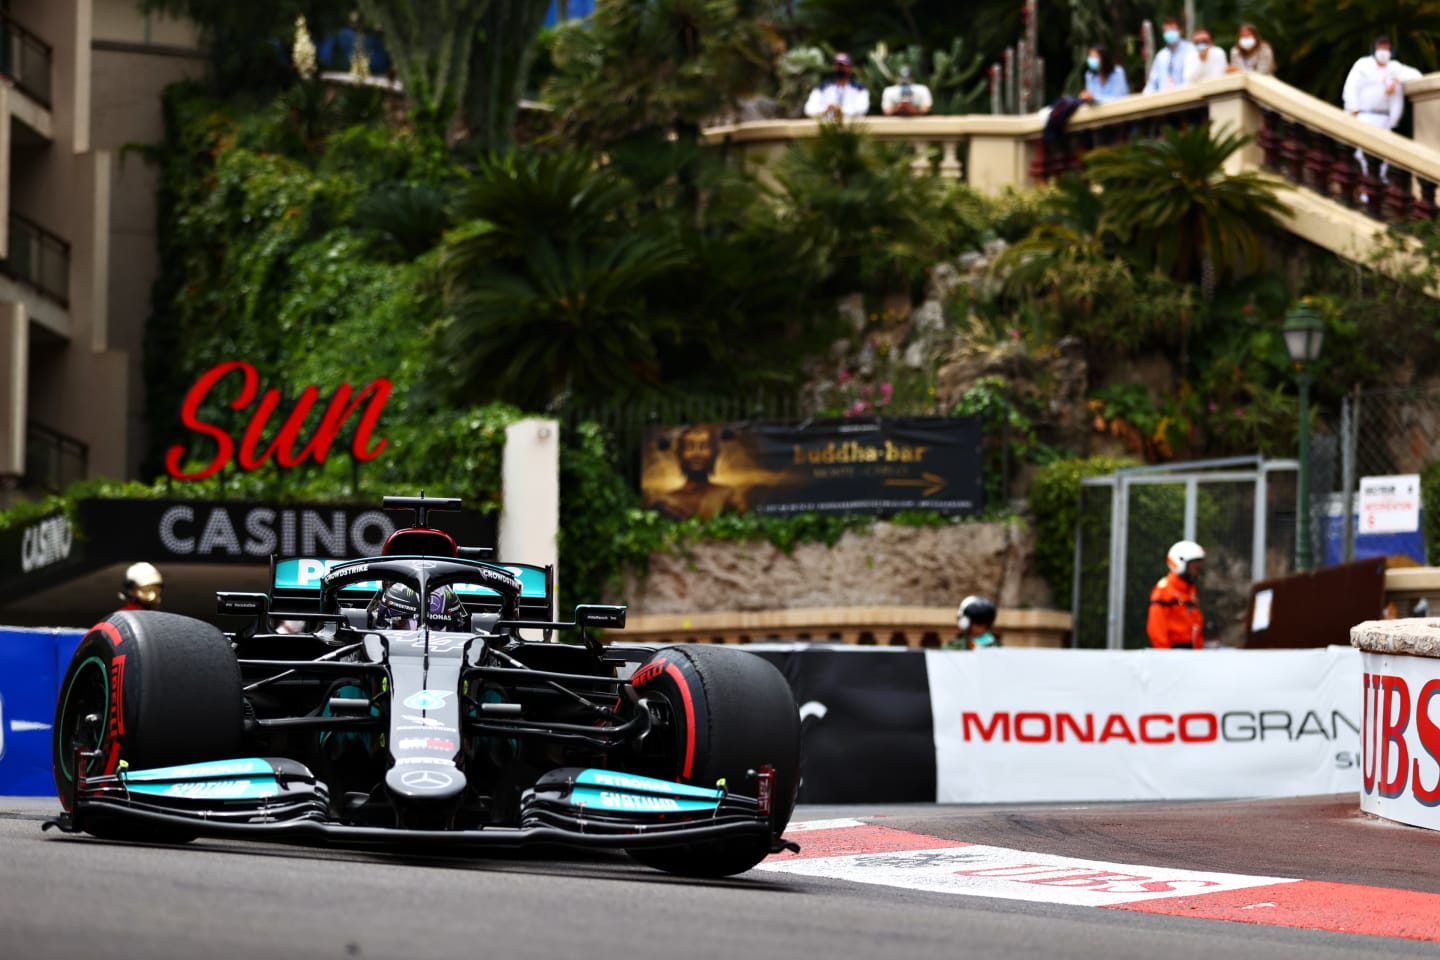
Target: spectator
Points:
(1167, 70)
(142, 587)
(1374, 90)
(975, 618)
(905, 99)
(1175, 621)
(1104, 78)
(1206, 62)
(839, 97)
(1375, 93)
(1251, 54)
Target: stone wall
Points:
(884, 565)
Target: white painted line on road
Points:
(998, 872)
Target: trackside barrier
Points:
(897, 725)
(31, 665)
(1400, 730)
(1007, 725)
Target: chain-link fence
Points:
(1242, 510)
(1382, 433)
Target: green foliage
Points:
(1171, 196)
(1055, 506)
(881, 224)
(654, 67)
(1430, 508)
(1010, 432)
(430, 43)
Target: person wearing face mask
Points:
(1374, 90)
(1375, 94)
(1104, 78)
(1167, 70)
(1250, 53)
(1206, 62)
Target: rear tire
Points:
(166, 689)
(734, 713)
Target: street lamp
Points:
(1304, 333)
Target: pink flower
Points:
(860, 406)
(1014, 333)
(1213, 406)
(1239, 411)
(844, 376)
(886, 391)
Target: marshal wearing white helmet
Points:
(142, 588)
(1175, 621)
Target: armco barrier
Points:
(31, 664)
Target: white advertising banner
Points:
(1078, 725)
(1400, 739)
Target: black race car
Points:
(483, 729)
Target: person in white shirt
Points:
(1375, 92)
(1206, 61)
(841, 96)
(1167, 70)
(906, 99)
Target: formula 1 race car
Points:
(425, 699)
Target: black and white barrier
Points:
(1003, 726)
(893, 725)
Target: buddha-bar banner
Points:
(879, 466)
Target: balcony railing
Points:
(38, 258)
(53, 460)
(25, 59)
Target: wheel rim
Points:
(89, 692)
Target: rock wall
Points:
(884, 565)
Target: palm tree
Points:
(1172, 197)
(548, 283)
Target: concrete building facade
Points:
(80, 80)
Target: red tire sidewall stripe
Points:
(110, 630)
(684, 686)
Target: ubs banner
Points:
(829, 466)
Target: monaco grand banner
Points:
(1082, 725)
(827, 466)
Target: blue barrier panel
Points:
(31, 665)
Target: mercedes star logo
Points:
(426, 779)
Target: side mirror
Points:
(600, 615)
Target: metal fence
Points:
(1382, 433)
(1241, 509)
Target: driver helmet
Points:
(397, 607)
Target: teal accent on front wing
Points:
(622, 802)
(257, 789)
(304, 573)
(213, 770)
(634, 783)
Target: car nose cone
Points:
(428, 781)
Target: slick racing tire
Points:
(732, 713)
(165, 690)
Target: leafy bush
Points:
(1430, 505)
(1055, 506)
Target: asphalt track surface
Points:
(65, 896)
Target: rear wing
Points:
(297, 581)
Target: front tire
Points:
(733, 713)
(166, 690)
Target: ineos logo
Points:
(426, 779)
